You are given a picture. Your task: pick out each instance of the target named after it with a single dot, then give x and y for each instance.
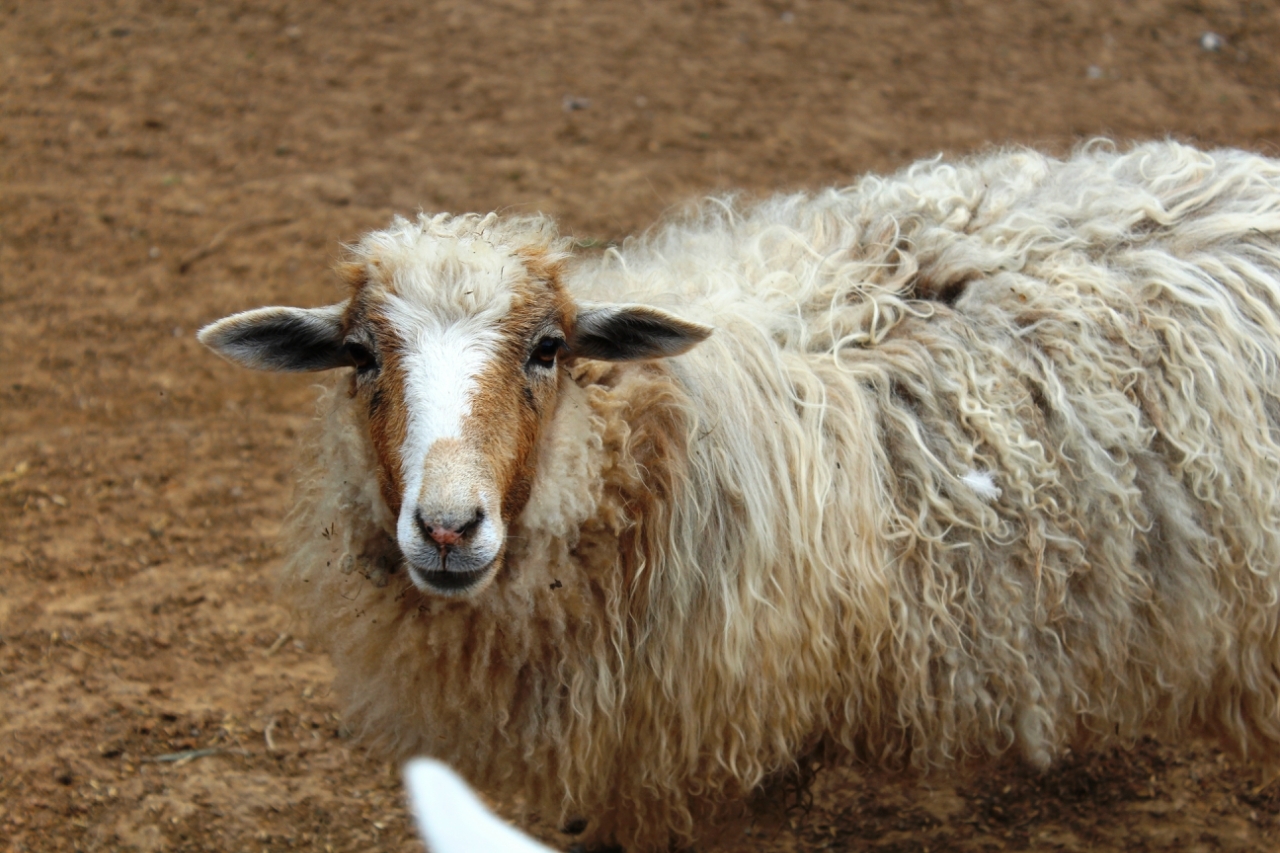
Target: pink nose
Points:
(443, 535)
(448, 532)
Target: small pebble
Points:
(1212, 42)
(1093, 72)
(572, 103)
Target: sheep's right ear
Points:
(292, 339)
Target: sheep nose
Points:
(448, 531)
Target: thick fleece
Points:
(983, 456)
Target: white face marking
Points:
(447, 298)
(441, 366)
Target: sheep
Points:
(979, 459)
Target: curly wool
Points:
(982, 457)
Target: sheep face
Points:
(459, 345)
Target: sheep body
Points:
(982, 457)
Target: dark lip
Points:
(452, 582)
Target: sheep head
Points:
(458, 332)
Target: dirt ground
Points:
(165, 163)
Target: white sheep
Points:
(981, 457)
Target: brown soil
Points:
(164, 162)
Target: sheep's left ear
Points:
(632, 332)
(290, 339)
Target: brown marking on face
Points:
(389, 427)
(383, 393)
(354, 276)
(542, 266)
(514, 400)
(511, 403)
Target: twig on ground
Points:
(79, 648)
(176, 758)
(279, 643)
(266, 735)
(1267, 784)
(190, 258)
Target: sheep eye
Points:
(545, 351)
(360, 357)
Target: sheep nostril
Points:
(469, 527)
(446, 533)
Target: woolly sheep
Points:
(980, 458)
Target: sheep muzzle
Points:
(450, 527)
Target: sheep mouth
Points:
(450, 583)
(453, 570)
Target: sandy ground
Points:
(165, 163)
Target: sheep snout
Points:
(437, 547)
(448, 533)
(451, 536)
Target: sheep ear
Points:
(632, 332)
(292, 339)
